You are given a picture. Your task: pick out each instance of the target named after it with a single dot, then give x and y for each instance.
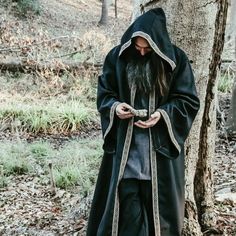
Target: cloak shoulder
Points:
(179, 111)
(107, 98)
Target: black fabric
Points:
(136, 216)
(179, 105)
(152, 23)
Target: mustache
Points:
(146, 72)
(135, 54)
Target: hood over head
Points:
(151, 26)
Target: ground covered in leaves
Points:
(28, 203)
(224, 174)
(29, 207)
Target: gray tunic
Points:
(138, 164)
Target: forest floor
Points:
(28, 203)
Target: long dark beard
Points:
(146, 72)
(139, 73)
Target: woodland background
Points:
(51, 53)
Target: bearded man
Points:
(147, 101)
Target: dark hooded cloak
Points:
(178, 108)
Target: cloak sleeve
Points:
(107, 100)
(178, 112)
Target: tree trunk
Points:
(17, 65)
(191, 27)
(203, 178)
(231, 120)
(116, 11)
(139, 7)
(104, 15)
(232, 21)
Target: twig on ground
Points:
(53, 184)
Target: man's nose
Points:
(142, 51)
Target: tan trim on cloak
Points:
(169, 127)
(112, 114)
(128, 138)
(152, 44)
(124, 158)
(153, 160)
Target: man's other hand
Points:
(123, 111)
(154, 118)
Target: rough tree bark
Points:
(203, 178)
(191, 25)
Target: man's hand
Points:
(123, 111)
(154, 118)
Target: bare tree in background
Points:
(104, 15)
(231, 119)
(105, 10)
(198, 27)
(232, 19)
(116, 11)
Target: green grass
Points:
(54, 104)
(225, 82)
(50, 103)
(3, 178)
(75, 164)
(46, 117)
(3, 181)
(78, 163)
(41, 150)
(25, 6)
(14, 158)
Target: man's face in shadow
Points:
(142, 46)
(139, 69)
(140, 50)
